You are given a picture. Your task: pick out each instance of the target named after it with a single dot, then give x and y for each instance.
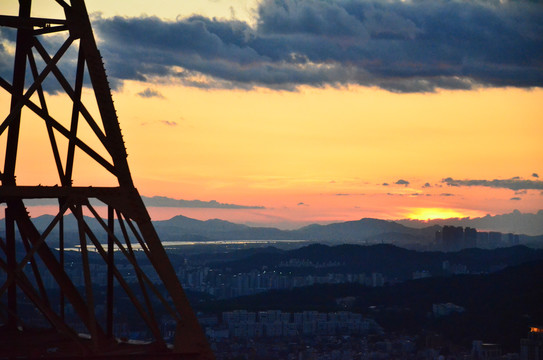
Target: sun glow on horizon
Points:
(440, 213)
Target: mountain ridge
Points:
(362, 231)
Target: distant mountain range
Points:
(405, 233)
(365, 231)
(368, 231)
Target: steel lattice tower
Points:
(27, 254)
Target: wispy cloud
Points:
(349, 194)
(150, 93)
(159, 122)
(168, 123)
(515, 183)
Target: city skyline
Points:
(297, 133)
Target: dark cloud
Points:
(52, 45)
(535, 175)
(400, 46)
(149, 93)
(161, 201)
(512, 184)
(411, 46)
(385, 184)
(515, 198)
(426, 185)
(302, 204)
(402, 182)
(446, 194)
(7, 35)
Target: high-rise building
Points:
(531, 348)
(454, 238)
(470, 237)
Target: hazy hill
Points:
(371, 230)
(188, 224)
(215, 229)
(392, 261)
(364, 230)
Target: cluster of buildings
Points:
(225, 284)
(317, 348)
(446, 309)
(274, 323)
(455, 238)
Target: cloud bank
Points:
(512, 184)
(162, 201)
(400, 46)
(159, 201)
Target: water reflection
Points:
(174, 244)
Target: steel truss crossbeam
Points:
(30, 259)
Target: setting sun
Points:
(440, 213)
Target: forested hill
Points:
(389, 260)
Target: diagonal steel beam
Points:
(62, 130)
(149, 321)
(67, 180)
(26, 286)
(19, 100)
(52, 140)
(72, 94)
(24, 41)
(52, 264)
(35, 247)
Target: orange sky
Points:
(315, 154)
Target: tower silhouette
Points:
(34, 269)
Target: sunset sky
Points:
(312, 111)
